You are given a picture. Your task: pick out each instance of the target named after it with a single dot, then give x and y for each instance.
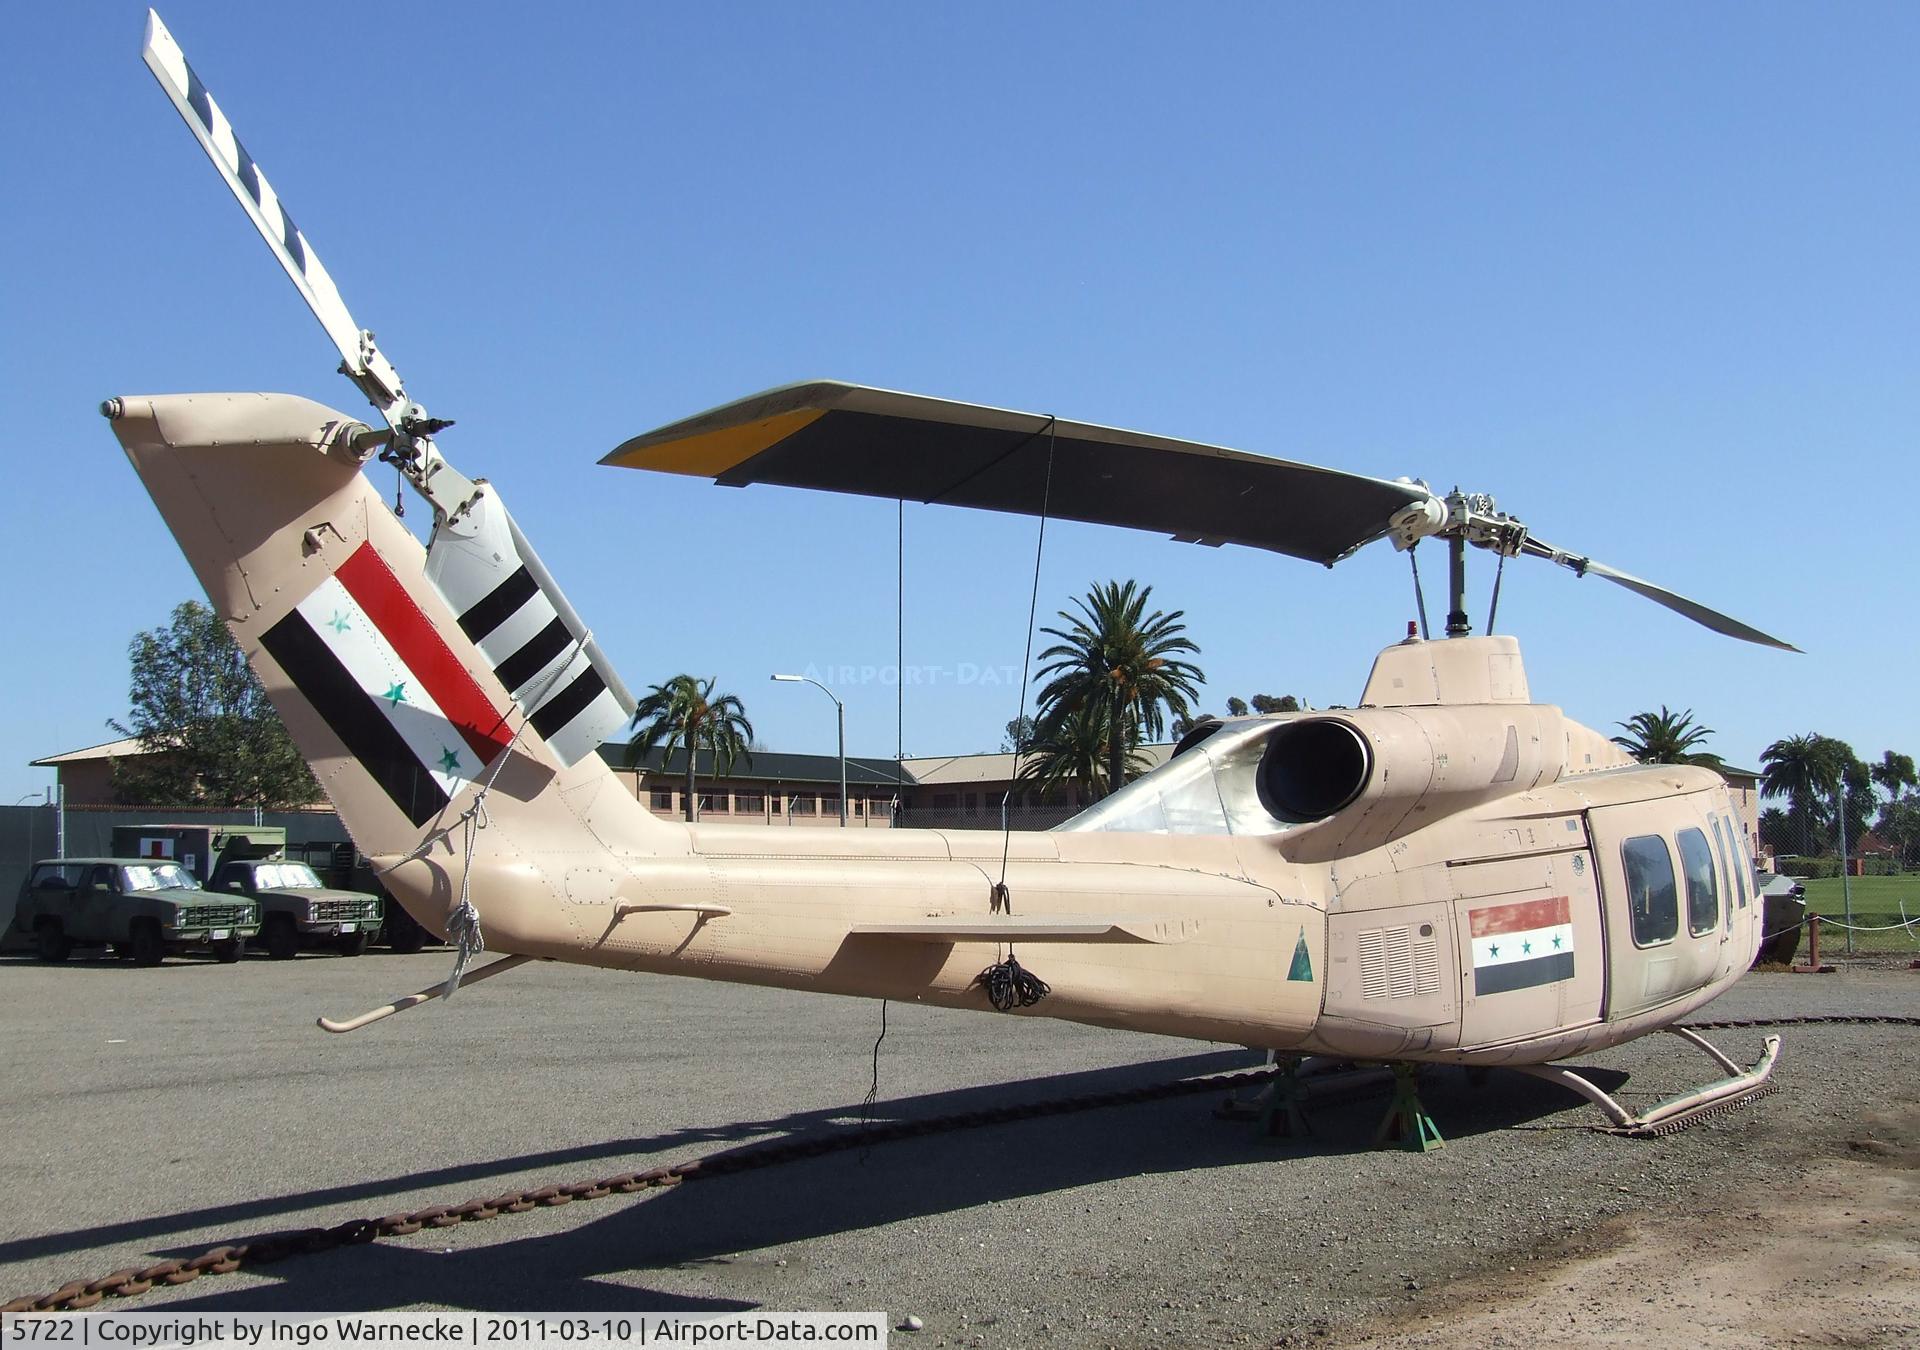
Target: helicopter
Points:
(1448, 872)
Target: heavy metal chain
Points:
(224, 1260)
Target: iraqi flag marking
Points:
(1521, 945)
(439, 673)
(361, 651)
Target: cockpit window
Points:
(1740, 879)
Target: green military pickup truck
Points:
(144, 908)
(298, 909)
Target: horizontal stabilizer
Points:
(876, 443)
(1064, 928)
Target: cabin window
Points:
(1703, 896)
(660, 799)
(755, 802)
(1651, 892)
(804, 804)
(713, 801)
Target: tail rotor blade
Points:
(364, 363)
(1660, 595)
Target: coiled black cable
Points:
(1010, 985)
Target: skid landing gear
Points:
(1407, 1124)
(1676, 1113)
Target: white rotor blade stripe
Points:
(262, 204)
(537, 646)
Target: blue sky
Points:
(1644, 272)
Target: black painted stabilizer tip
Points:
(111, 409)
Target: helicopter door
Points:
(1664, 933)
(1532, 958)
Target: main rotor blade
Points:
(836, 437)
(364, 364)
(1660, 595)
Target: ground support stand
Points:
(1407, 1123)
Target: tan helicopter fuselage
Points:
(1213, 899)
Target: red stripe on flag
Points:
(374, 587)
(1521, 917)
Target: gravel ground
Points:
(151, 1113)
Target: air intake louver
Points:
(1396, 964)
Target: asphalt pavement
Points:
(153, 1113)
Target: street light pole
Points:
(840, 717)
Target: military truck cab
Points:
(143, 908)
(297, 909)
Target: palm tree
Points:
(685, 714)
(1115, 663)
(1666, 737)
(1073, 753)
(1806, 771)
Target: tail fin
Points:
(400, 713)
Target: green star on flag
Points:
(1494, 948)
(1556, 944)
(1526, 949)
(396, 693)
(338, 623)
(449, 761)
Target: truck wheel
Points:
(146, 945)
(353, 944)
(282, 938)
(228, 951)
(50, 941)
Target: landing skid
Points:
(1676, 1113)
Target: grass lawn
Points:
(1876, 901)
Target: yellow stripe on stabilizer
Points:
(712, 453)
